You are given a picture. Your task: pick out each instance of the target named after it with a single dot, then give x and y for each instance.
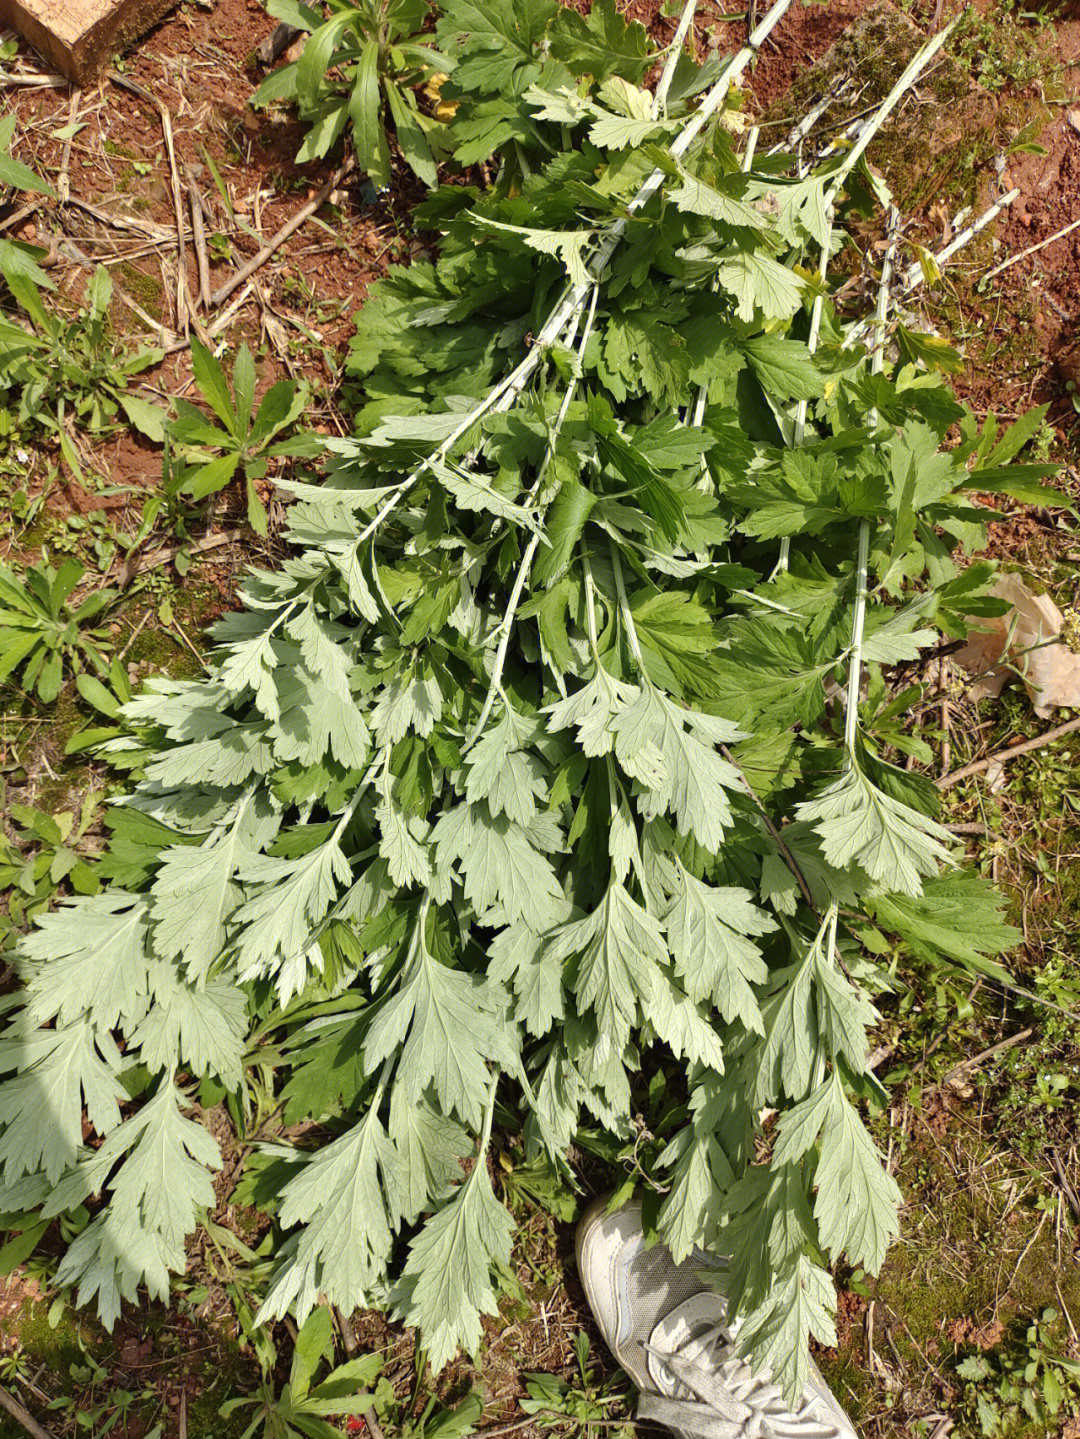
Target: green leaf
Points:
(958, 916)
(208, 479)
(601, 43)
(857, 1200)
(669, 751)
(89, 957)
(800, 1304)
(447, 1028)
(414, 146)
(365, 112)
(785, 368)
(140, 1237)
(568, 246)
(446, 1284)
(895, 844)
(149, 420)
(618, 948)
(318, 55)
(244, 387)
(339, 1196)
(709, 930)
(314, 1343)
(213, 386)
(490, 39)
(760, 283)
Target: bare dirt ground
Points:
(984, 1152)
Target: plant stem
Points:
(914, 69)
(858, 621)
(799, 434)
(576, 297)
(625, 612)
(686, 19)
(507, 623)
(916, 66)
(489, 1115)
(698, 413)
(914, 275)
(590, 609)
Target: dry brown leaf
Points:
(1023, 643)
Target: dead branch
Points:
(22, 1416)
(63, 184)
(165, 556)
(198, 238)
(1004, 755)
(289, 228)
(977, 1059)
(182, 306)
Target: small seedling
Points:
(41, 631)
(73, 369)
(360, 63)
(1026, 1379)
(585, 1401)
(299, 1411)
(244, 437)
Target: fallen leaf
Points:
(1022, 643)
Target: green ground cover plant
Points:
(358, 71)
(43, 633)
(556, 757)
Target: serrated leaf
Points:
(339, 1197)
(710, 929)
(618, 948)
(447, 1027)
(446, 1284)
(895, 844)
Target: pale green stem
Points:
(827, 936)
(489, 1115)
(858, 622)
(659, 103)
(915, 68)
(799, 435)
(625, 612)
(507, 623)
(698, 413)
(915, 275)
(590, 610)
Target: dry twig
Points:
(977, 1059)
(276, 43)
(165, 556)
(348, 1338)
(1032, 249)
(290, 227)
(198, 238)
(1004, 755)
(22, 1416)
(15, 219)
(63, 183)
(182, 306)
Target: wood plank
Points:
(79, 37)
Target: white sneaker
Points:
(668, 1329)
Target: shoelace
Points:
(722, 1398)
